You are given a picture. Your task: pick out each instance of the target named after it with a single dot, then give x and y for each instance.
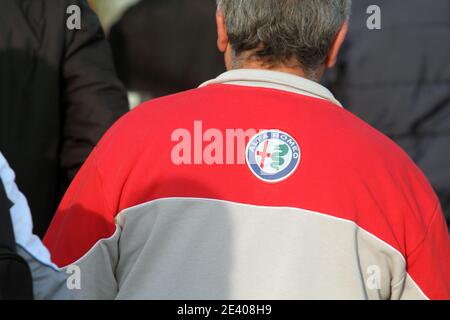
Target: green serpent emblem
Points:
(278, 156)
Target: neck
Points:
(289, 67)
(280, 68)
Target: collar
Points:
(274, 80)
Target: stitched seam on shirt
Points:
(426, 232)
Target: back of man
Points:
(258, 185)
(354, 205)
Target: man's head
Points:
(302, 36)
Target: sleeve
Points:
(49, 282)
(83, 218)
(93, 96)
(83, 237)
(428, 265)
(84, 233)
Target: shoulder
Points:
(390, 176)
(146, 124)
(166, 108)
(378, 153)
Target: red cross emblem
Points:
(264, 154)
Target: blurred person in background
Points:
(166, 46)
(59, 93)
(109, 11)
(398, 80)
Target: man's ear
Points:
(222, 35)
(337, 44)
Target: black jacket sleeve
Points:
(93, 96)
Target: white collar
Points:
(274, 80)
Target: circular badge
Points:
(273, 155)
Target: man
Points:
(258, 185)
(58, 95)
(405, 94)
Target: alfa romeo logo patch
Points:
(273, 155)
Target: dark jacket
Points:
(58, 94)
(166, 46)
(398, 80)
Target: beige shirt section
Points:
(183, 248)
(274, 80)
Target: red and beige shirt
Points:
(257, 185)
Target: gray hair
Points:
(276, 31)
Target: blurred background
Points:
(110, 11)
(154, 56)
